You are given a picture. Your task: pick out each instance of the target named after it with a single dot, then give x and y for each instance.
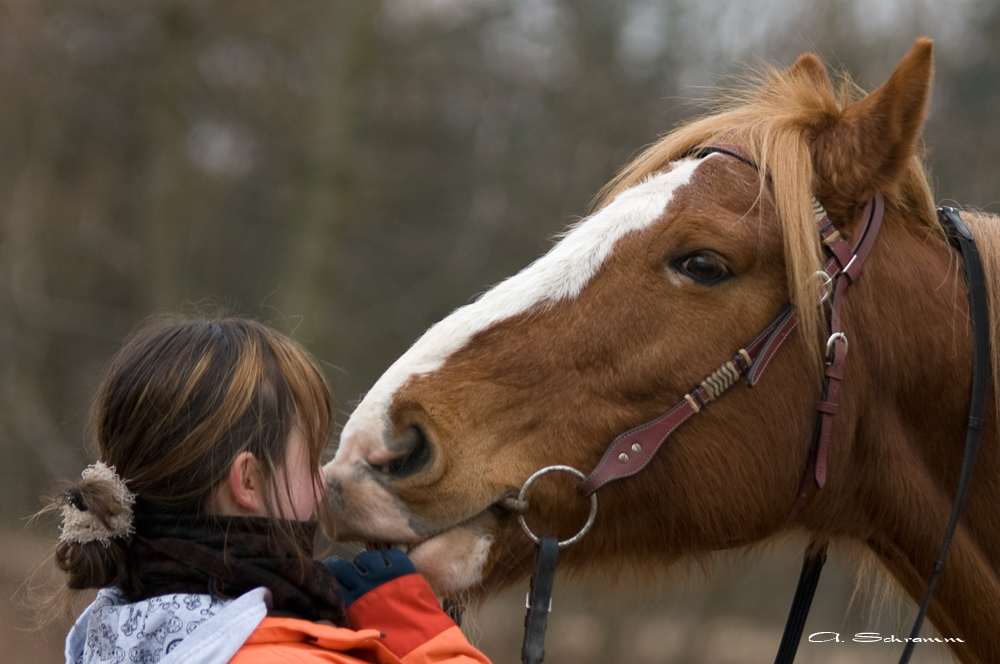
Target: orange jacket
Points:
(400, 622)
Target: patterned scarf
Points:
(228, 556)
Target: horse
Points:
(690, 253)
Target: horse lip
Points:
(499, 511)
(471, 521)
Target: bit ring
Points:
(590, 518)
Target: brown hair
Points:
(180, 401)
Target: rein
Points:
(633, 450)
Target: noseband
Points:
(632, 451)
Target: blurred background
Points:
(350, 172)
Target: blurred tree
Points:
(342, 58)
(166, 90)
(963, 133)
(355, 170)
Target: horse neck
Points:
(911, 373)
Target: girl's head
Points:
(204, 416)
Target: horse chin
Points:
(456, 560)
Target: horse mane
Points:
(774, 116)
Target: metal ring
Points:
(590, 519)
(826, 285)
(833, 338)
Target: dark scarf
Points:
(229, 556)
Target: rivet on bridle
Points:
(636, 447)
(623, 457)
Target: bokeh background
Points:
(351, 171)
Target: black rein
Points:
(961, 238)
(815, 556)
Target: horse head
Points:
(686, 259)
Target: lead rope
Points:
(812, 565)
(539, 600)
(635, 448)
(961, 237)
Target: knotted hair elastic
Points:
(81, 525)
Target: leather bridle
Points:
(632, 451)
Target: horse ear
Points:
(863, 151)
(809, 66)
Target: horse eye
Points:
(703, 268)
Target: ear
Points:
(863, 152)
(245, 489)
(810, 67)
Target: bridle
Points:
(633, 450)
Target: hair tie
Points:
(81, 526)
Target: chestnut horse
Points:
(685, 260)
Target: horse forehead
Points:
(560, 274)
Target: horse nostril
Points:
(416, 453)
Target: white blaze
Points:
(558, 275)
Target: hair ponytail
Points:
(178, 403)
(97, 523)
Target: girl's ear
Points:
(245, 491)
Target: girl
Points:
(196, 522)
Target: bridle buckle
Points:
(834, 338)
(826, 285)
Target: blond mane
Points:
(774, 117)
